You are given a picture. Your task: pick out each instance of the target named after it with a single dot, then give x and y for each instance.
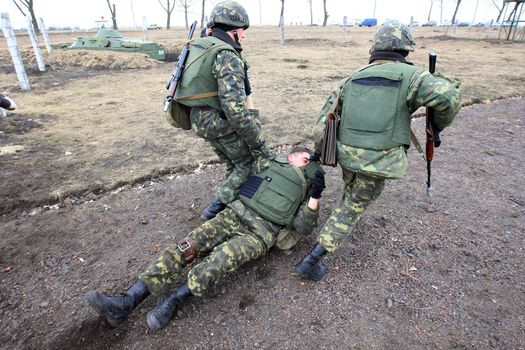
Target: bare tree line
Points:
(27, 7)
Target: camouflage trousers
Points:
(360, 190)
(229, 244)
(233, 152)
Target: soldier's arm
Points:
(306, 219)
(437, 91)
(319, 127)
(229, 71)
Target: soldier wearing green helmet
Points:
(215, 85)
(375, 104)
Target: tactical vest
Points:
(374, 113)
(276, 193)
(198, 87)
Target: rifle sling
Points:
(415, 141)
(198, 96)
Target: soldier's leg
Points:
(236, 150)
(359, 192)
(224, 259)
(217, 205)
(161, 274)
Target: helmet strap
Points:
(235, 36)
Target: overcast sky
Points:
(84, 13)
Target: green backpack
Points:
(178, 115)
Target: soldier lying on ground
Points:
(6, 103)
(275, 207)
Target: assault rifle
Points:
(431, 130)
(171, 86)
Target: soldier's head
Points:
(231, 17)
(394, 37)
(299, 156)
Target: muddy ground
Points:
(94, 185)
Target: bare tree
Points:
(311, 13)
(325, 14)
(281, 23)
(430, 11)
(28, 4)
(169, 9)
(202, 14)
(458, 2)
(185, 4)
(113, 11)
(500, 10)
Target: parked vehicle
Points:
(154, 26)
(430, 24)
(368, 22)
(110, 39)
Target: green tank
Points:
(110, 39)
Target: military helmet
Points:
(391, 36)
(229, 13)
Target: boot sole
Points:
(93, 298)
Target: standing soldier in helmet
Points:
(375, 104)
(215, 85)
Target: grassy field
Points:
(95, 118)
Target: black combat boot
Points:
(214, 208)
(160, 316)
(310, 267)
(116, 309)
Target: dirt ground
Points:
(95, 184)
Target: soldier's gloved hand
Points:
(316, 157)
(317, 186)
(436, 131)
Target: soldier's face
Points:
(241, 34)
(299, 158)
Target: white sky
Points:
(84, 13)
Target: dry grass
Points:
(111, 123)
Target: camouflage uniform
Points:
(365, 170)
(234, 132)
(235, 236)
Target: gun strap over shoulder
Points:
(198, 96)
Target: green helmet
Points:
(391, 36)
(229, 13)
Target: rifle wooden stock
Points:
(171, 87)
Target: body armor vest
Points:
(198, 86)
(276, 193)
(374, 113)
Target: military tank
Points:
(110, 39)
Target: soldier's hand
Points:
(317, 186)
(316, 157)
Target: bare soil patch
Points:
(96, 184)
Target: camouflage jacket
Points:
(209, 123)
(437, 91)
(304, 223)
